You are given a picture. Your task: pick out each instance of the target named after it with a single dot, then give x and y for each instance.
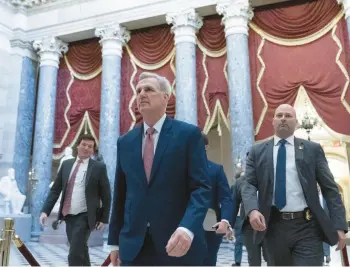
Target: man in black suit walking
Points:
(84, 185)
(287, 214)
(253, 250)
(220, 211)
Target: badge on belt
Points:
(308, 215)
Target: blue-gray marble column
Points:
(236, 14)
(50, 50)
(113, 37)
(25, 123)
(346, 6)
(185, 25)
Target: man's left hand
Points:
(178, 244)
(100, 226)
(222, 228)
(342, 240)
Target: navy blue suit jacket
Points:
(178, 194)
(221, 194)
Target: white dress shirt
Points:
(321, 199)
(295, 199)
(78, 204)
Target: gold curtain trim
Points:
(65, 112)
(262, 96)
(86, 120)
(89, 123)
(217, 113)
(131, 102)
(204, 89)
(173, 69)
(225, 71)
(145, 66)
(83, 77)
(298, 41)
(211, 53)
(342, 68)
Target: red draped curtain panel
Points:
(212, 84)
(304, 46)
(78, 94)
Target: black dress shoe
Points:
(236, 264)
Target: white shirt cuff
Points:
(223, 220)
(112, 248)
(188, 232)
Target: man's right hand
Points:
(115, 258)
(43, 219)
(257, 221)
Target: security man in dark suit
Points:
(253, 250)
(84, 185)
(287, 213)
(221, 204)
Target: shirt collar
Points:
(290, 140)
(158, 126)
(84, 160)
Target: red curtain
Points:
(211, 70)
(313, 65)
(76, 97)
(297, 21)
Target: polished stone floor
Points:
(56, 255)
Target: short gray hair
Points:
(163, 82)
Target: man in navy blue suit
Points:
(221, 209)
(162, 189)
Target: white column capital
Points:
(346, 5)
(50, 49)
(236, 15)
(113, 37)
(185, 25)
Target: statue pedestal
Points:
(59, 236)
(23, 224)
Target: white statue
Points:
(68, 154)
(9, 188)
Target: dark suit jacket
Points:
(237, 198)
(312, 168)
(178, 194)
(221, 200)
(97, 189)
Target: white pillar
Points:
(185, 25)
